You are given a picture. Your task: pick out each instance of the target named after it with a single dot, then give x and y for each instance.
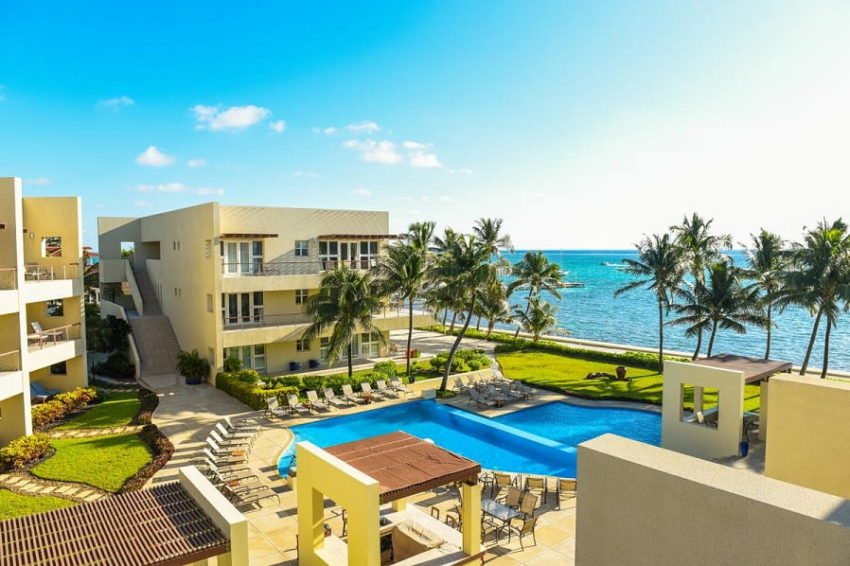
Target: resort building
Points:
(232, 281)
(42, 327)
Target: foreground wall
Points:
(640, 504)
(808, 435)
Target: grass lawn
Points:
(14, 505)
(118, 410)
(105, 461)
(567, 374)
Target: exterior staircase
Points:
(152, 332)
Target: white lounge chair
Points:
(349, 394)
(230, 443)
(384, 390)
(314, 400)
(374, 395)
(332, 399)
(397, 385)
(296, 406)
(273, 408)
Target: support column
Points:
(399, 504)
(763, 387)
(471, 513)
(698, 398)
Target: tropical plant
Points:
(537, 318)
(345, 303)
(192, 366)
(699, 248)
(493, 304)
(721, 302)
(537, 274)
(818, 279)
(659, 269)
(766, 258)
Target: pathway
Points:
(25, 483)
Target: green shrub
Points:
(388, 369)
(232, 364)
(64, 403)
(117, 365)
(22, 451)
(249, 393)
(463, 361)
(246, 376)
(192, 366)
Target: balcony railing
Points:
(285, 319)
(51, 272)
(259, 268)
(8, 278)
(51, 337)
(10, 361)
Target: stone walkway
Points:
(25, 483)
(90, 432)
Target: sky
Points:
(584, 125)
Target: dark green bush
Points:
(253, 396)
(232, 364)
(389, 369)
(246, 376)
(463, 361)
(117, 365)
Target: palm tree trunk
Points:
(350, 366)
(445, 315)
(699, 345)
(457, 341)
(660, 336)
(490, 324)
(711, 340)
(769, 329)
(527, 308)
(805, 365)
(826, 346)
(454, 318)
(478, 324)
(409, 339)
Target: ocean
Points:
(592, 312)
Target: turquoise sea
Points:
(592, 312)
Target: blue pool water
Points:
(540, 440)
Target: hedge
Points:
(162, 449)
(508, 343)
(61, 405)
(22, 451)
(148, 402)
(238, 386)
(464, 360)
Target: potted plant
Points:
(192, 367)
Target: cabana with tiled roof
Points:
(361, 476)
(175, 523)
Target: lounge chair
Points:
(42, 390)
(332, 399)
(225, 476)
(384, 390)
(537, 486)
(226, 451)
(397, 385)
(314, 400)
(374, 395)
(480, 400)
(273, 408)
(460, 387)
(296, 406)
(230, 443)
(248, 424)
(251, 497)
(226, 459)
(566, 489)
(349, 394)
(222, 429)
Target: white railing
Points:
(8, 278)
(270, 268)
(10, 361)
(34, 272)
(285, 319)
(51, 337)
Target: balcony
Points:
(46, 282)
(47, 347)
(8, 279)
(8, 290)
(10, 361)
(283, 275)
(47, 338)
(35, 272)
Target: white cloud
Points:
(210, 191)
(365, 126)
(196, 162)
(232, 119)
(141, 203)
(153, 157)
(37, 182)
(162, 188)
(375, 152)
(424, 160)
(361, 192)
(446, 199)
(115, 104)
(278, 126)
(305, 175)
(414, 145)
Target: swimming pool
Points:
(540, 440)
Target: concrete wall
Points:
(11, 245)
(693, 438)
(808, 438)
(639, 504)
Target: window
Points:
(55, 308)
(252, 357)
(324, 348)
(243, 308)
(301, 248)
(302, 345)
(60, 368)
(242, 258)
(370, 344)
(329, 254)
(706, 405)
(51, 246)
(368, 254)
(301, 296)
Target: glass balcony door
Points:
(242, 308)
(348, 253)
(242, 258)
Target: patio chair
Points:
(384, 390)
(397, 385)
(480, 400)
(251, 497)
(230, 443)
(349, 394)
(375, 395)
(501, 481)
(537, 486)
(332, 399)
(521, 529)
(459, 386)
(296, 406)
(314, 400)
(273, 408)
(512, 499)
(566, 489)
(528, 504)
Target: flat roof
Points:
(405, 465)
(243, 235)
(754, 369)
(361, 236)
(162, 525)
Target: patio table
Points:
(498, 510)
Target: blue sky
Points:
(583, 125)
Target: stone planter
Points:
(429, 394)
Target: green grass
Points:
(105, 461)
(118, 410)
(568, 375)
(14, 505)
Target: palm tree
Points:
(488, 231)
(819, 280)
(765, 260)
(493, 304)
(536, 273)
(403, 272)
(659, 268)
(420, 235)
(346, 300)
(537, 318)
(465, 267)
(699, 248)
(721, 302)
